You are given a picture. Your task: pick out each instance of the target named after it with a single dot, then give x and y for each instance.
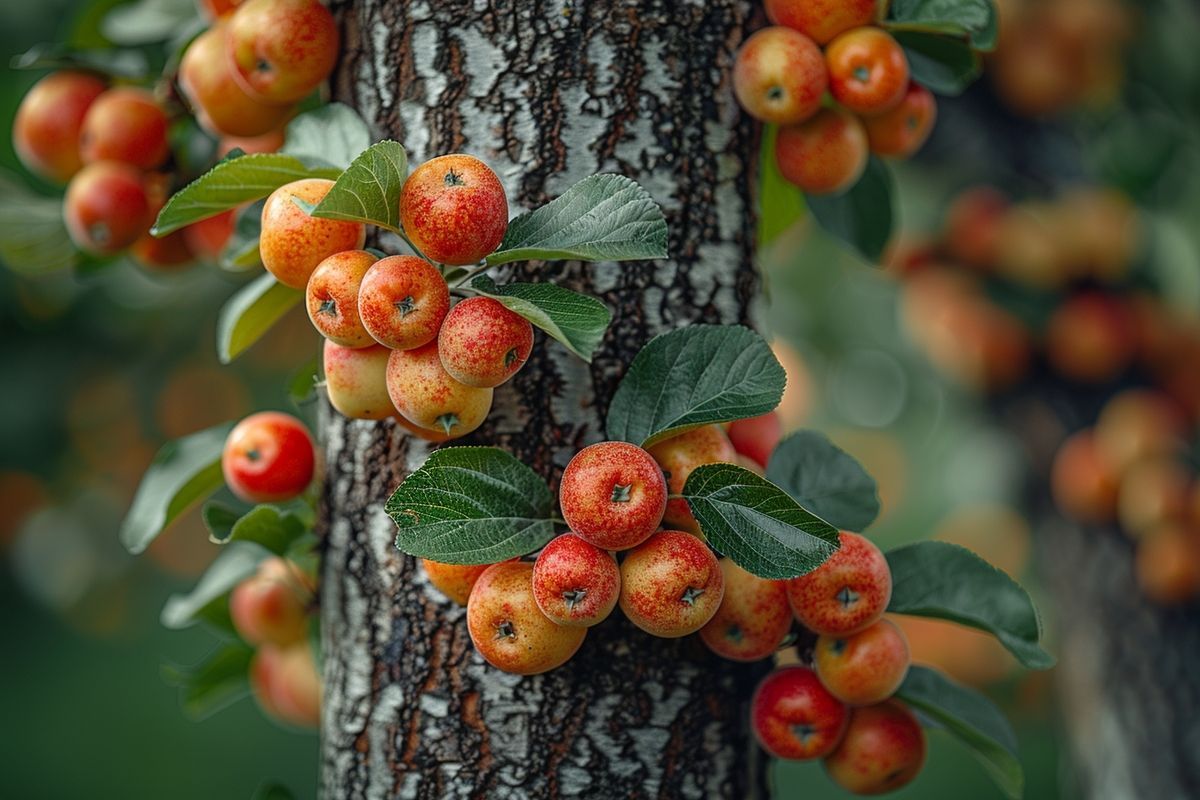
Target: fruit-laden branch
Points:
(546, 94)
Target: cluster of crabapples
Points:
(782, 75)
(269, 458)
(111, 144)
(394, 345)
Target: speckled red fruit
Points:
(454, 210)
(208, 237)
(508, 628)
(868, 72)
(900, 132)
(973, 224)
(613, 494)
(793, 716)
(403, 301)
(756, 437)
(356, 379)
(107, 207)
(1082, 481)
(863, 668)
(753, 617)
(679, 456)
(846, 593)
(883, 749)
(268, 458)
(575, 583)
(482, 343)
(125, 124)
(286, 684)
(162, 254)
(282, 50)
(331, 297)
(1091, 337)
(821, 19)
(453, 580)
(671, 584)
(221, 105)
(825, 155)
(425, 394)
(270, 607)
(780, 76)
(49, 120)
(293, 243)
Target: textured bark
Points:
(547, 93)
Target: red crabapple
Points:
(125, 124)
(454, 210)
(900, 132)
(331, 296)
(270, 607)
(845, 594)
(1138, 424)
(107, 207)
(1082, 481)
(753, 618)
(883, 749)
(49, 120)
(671, 584)
(793, 716)
(863, 668)
(268, 457)
(282, 50)
(821, 19)
(293, 243)
(286, 684)
(868, 72)
(453, 580)
(425, 394)
(756, 437)
(823, 155)
(482, 343)
(162, 253)
(356, 379)
(575, 583)
(1091, 337)
(402, 302)
(613, 495)
(207, 238)
(779, 76)
(679, 456)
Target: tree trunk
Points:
(547, 93)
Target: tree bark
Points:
(547, 93)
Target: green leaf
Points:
(755, 523)
(250, 313)
(268, 526)
(694, 376)
(943, 64)
(273, 790)
(971, 718)
(183, 473)
(780, 203)
(33, 237)
(369, 191)
(235, 563)
(219, 519)
(946, 581)
(301, 387)
(472, 505)
(128, 64)
(333, 133)
(601, 218)
(824, 479)
(207, 687)
(232, 182)
(862, 216)
(241, 251)
(974, 20)
(575, 320)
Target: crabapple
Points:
(1082, 481)
(419, 432)
(1152, 492)
(125, 124)
(331, 296)
(482, 343)
(286, 684)
(270, 607)
(613, 495)
(793, 716)
(972, 226)
(1091, 338)
(402, 302)
(845, 594)
(269, 142)
(821, 19)
(883, 749)
(779, 76)
(575, 583)
(753, 617)
(823, 155)
(453, 580)
(293, 243)
(207, 237)
(508, 628)
(900, 132)
(863, 668)
(454, 210)
(215, 9)
(425, 394)
(356, 379)
(1167, 564)
(1138, 424)
(756, 437)
(222, 107)
(107, 207)
(282, 50)
(868, 72)
(268, 457)
(679, 456)
(162, 253)
(49, 121)
(671, 584)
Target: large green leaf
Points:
(974, 20)
(862, 217)
(575, 320)
(232, 182)
(269, 526)
(824, 479)
(756, 524)
(695, 376)
(946, 581)
(970, 717)
(147, 21)
(472, 505)
(236, 562)
(183, 473)
(128, 64)
(333, 133)
(214, 683)
(943, 64)
(601, 218)
(250, 313)
(369, 191)
(241, 251)
(33, 237)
